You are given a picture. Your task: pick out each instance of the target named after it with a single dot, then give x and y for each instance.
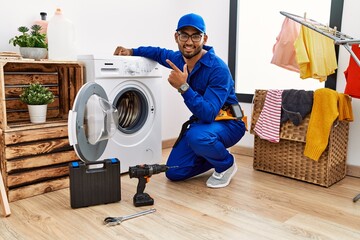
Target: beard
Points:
(188, 55)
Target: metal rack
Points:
(338, 37)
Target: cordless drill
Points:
(143, 173)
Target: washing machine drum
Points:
(91, 122)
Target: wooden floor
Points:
(256, 205)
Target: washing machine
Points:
(117, 112)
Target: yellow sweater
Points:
(328, 105)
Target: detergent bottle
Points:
(43, 23)
(61, 38)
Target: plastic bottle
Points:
(43, 23)
(61, 38)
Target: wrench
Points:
(112, 221)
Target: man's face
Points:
(190, 41)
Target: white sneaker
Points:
(219, 180)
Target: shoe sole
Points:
(227, 183)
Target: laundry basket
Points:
(286, 158)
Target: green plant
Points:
(36, 94)
(33, 39)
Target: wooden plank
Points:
(29, 135)
(36, 148)
(16, 104)
(29, 67)
(3, 159)
(3, 198)
(63, 90)
(29, 77)
(37, 189)
(41, 161)
(43, 61)
(13, 92)
(70, 81)
(36, 175)
(75, 83)
(3, 122)
(15, 127)
(14, 117)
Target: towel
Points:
(268, 125)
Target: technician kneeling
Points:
(206, 85)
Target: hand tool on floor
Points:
(3, 198)
(143, 173)
(112, 221)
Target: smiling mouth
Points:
(188, 48)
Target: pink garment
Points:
(283, 50)
(268, 125)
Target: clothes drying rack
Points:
(338, 37)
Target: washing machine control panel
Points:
(120, 66)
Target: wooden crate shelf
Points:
(34, 157)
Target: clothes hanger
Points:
(338, 37)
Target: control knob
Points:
(131, 68)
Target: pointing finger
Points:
(173, 66)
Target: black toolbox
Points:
(93, 185)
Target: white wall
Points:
(102, 25)
(351, 27)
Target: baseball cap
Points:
(192, 20)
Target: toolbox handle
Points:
(89, 165)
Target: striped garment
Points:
(268, 125)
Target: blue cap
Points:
(192, 20)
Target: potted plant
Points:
(37, 97)
(33, 44)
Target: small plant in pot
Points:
(33, 44)
(37, 97)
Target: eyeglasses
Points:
(194, 37)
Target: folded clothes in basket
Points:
(296, 104)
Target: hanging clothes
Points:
(283, 50)
(352, 75)
(268, 124)
(328, 105)
(315, 54)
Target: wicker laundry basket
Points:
(286, 157)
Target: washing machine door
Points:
(91, 122)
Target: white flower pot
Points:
(37, 113)
(34, 53)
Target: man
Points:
(206, 85)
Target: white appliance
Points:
(117, 112)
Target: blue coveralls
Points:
(204, 145)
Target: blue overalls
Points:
(204, 144)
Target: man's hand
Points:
(177, 77)
(123, 51)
